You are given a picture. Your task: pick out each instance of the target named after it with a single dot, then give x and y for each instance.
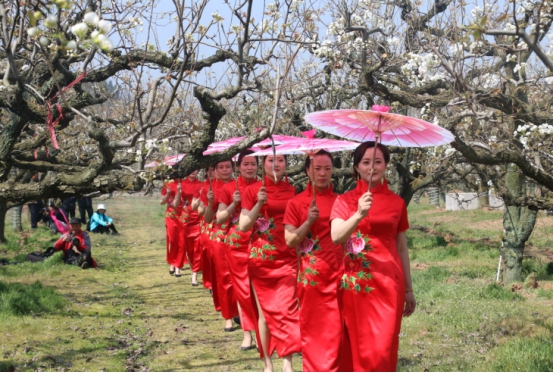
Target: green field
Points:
(130, 315)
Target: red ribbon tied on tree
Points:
(50, 123)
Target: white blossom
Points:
(33, 31)
(71, 45)
(51, 21)
(104, 26)
(80, 30)
(91, 18)
(106, 45)
(44, 41)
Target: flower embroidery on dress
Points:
(235, 217)
(262, 224)
(356, 264)
(171, 214)
(261, 245)
(306, 245)
(308, 271)
(233, 238)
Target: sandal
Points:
(172, 272)
(251, 347)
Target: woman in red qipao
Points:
(272, 265)
(175, 253)
(237, 243)
(222, 289)
(376, 286)
(308, 230)
(203, 237)
(190, 189)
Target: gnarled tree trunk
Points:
(519, 223)
(3, 210)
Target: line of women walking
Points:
(323, 275)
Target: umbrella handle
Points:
(236, 174)
(263, 171)
(313, 177)
(377, 138)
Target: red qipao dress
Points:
(204, 240)
(372, 291)
(209, 276)
(222, 286)
(189, 190)
(237, 255)
(273, 267)
(318, 283)
(175, 248)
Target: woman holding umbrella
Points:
(175, 255)
(237, 242)
(272, 266)
(308, 230)
(190, 189)
(222, 289)
(376, 286)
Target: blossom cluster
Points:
(537, 134)
(98, 36)
(422, 68)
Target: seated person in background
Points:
(56, 219)
(76, 246)
(100, 222)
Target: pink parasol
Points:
(380, 126)
(220, 146)
(277, 139)
(168, 160)
(309, 146)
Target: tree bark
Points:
(519, 223)
(3, 210)
(483, 196)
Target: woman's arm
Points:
(208, 211)
(402, 247)
(177, 199)
(249, 217)
(294, 235)
(164, 199)
(225, 212)
(195, 204)
(341, 230)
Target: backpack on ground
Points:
(39, 256)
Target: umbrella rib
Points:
(405, 134)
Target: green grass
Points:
(523, 355)
(129, 314)
(21, 299)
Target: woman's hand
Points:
(410, 305)
(262, 196)
(364, 204)
(210, 196)
(313, 213)
(236, 197)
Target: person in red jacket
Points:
(76, 246)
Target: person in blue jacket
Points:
(100, 222)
